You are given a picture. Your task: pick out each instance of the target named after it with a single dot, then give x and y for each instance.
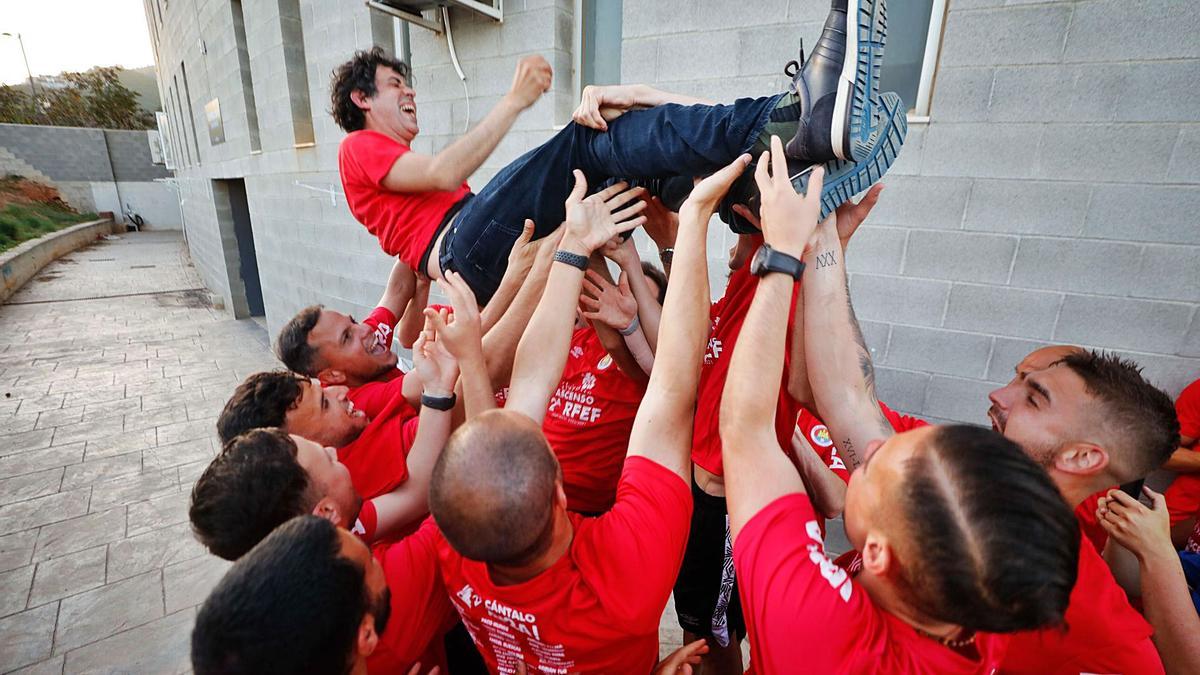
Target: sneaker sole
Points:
(843, 178)
(858, 84)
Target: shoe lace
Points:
(792, 67)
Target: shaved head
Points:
(494, 488)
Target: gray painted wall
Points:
(1051, 197)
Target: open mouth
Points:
(351, 411)
(409, 109)
(374, 345)
(997, 420)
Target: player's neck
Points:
(508, 575)
(371, 124)
(886, 597)
(1075, 489)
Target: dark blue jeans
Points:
(660, 142)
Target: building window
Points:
(243, 55)
(600, 30)
(296, 69)
(191, 118)
(186, 156)
(913, 40)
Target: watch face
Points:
(760, 259)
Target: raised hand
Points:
(523, 252)
(621, 251)
(709, 191)
(681, 660)
(788, 219)
(460, 334)
(851, 215)
(599, 105)
(594, 220)
(662, 224)
(611, 305)
(1141, 529)
(531, 79)
(437, 368)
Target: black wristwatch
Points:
(768, 260)
(573, 259)
(439, 402)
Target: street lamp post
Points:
(32, 89)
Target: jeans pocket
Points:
(488, 254)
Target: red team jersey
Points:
(421, 610)
(725, 323)
(1183, 496)
(403, 222)
(1104, 633)
(375, 395)
(589, 420)
(597, 609)
(805, 614)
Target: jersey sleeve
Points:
(632, 553)
(373, 155)
(1187, 408)
(383, 322)
(901, 423)
(373, 398)
(800, 607)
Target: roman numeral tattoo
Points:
(826, 259)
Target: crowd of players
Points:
(557, 463)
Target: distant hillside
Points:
(144, 82)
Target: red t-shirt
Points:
(803, 612)
(725, 323)
(377, 459)
(589, 420)
(421, 609)
(597, 609)
(404, 222)
(1104, 633)
(1183, 496)
(373, 396)
(1089, 525)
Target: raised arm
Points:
(756, 470)
(840, 368)
(401, 284)
(827, 491)
(410, 500)
(414, 318)
(542, 352)
(601, 104)
(662, 430)
(460, 334)
(649, 312)
(446, 170)
(520, 259)
(613, 314)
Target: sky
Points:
(72, 35)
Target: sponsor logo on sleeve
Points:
(820, 436)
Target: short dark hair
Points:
(994, 546)
(293, 604)
(262, 400)
(1138, 417)
(358, 74)
(658, 277)
(252, 487)
(292, 344)
(508, 517)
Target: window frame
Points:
(919, 114)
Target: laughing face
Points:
(325, 415)
(353, 349)
(392, 108)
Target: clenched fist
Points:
(532, 79)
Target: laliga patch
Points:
(604, 363)
(820, 436)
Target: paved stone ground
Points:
(112, 369)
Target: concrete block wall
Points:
(1050, 197)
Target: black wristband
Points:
(575, 260)
(439, 402)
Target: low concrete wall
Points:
(23, 262)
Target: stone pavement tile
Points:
(26, 440)
(167, 456)
(14, 589)
(82, 383)
(190, 473)
(139, 376)
(129, 489)
(86, 431)
(112, 408)
(153, 387)
(158, 512)
(119, 444)
(89, 395)
(28, 636)
(53, 666)
(8, 407)
(220, 378)
(24, 391)
(39, 460)
(36, 405)
(92, 470)
(16, 550)
(48, 419)
(209, 408)
(159, 416)
(150, 551)
(68, 575)
(169, 399)
(186, 431)
(108, 610)
(188, 583)
(77, 534)
(43, 510)
(191, 369)
(30, 486)
(162, 647)
(17, 424)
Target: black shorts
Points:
(706, 593)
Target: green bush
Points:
(22, 222)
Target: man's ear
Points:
(358, 98)
(327, 510)
(560, 495)
(877, 555)
(368, 639)
(331, 376)
(1081, 458)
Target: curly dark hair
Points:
(252, 487)
(292, 344)
(262, 400)
(358, 74)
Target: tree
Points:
(93, 98)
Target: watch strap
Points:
(439, 402)
(575, 260)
